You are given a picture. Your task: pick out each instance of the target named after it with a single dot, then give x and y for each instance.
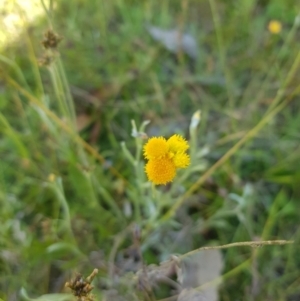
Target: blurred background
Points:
(78, 80)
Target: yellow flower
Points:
(274, 27)
(51, 177)
(156, 147)
(181, 160)
(160, 171)
(165, 156)
(177, 144)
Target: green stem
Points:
(69, 98)
(58, 91)
(57, 186)
(16, 68)
(222, 53)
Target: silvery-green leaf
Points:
(174, 40)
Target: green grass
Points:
(70, 200)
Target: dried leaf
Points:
(174, 40)
(200, 270)
(191, 295)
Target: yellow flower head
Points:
(165, 156)
(160, 171)
(177, 144)
(156, 147)
(181, 160)
(274, 27)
